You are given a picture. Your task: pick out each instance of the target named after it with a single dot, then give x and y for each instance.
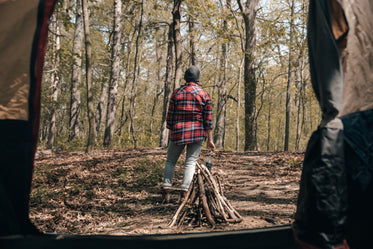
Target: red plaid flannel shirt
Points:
(189, 114)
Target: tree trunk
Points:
(102, 105)
(125, 113)
(132, 110)
(76, 76)
(238, 108)
(301, 102)
(88, 54)
(219, 133)
(54, 81)
(122, 121)
(222, 101)
(269, 122)
(193, 55)
(158, 90)
(114, 76)
(249, 15)
(155, 101)
(290, 79)
(304, 107)
(163, 142)
(177, 40)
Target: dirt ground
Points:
(116, 192)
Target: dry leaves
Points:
(117, 191)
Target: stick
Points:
(203, 200)
(234, 215)
(214, 188)
(174, 219)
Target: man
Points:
(189, 118)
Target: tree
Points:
(216, 38)
(192, 43)
(76, 76)
(290, 79)
(248, 11)
(88, 57)
(158, 90)
(238, 107)
(178, 46)
(167, 86)
(102, 104)
(54, 80)
(219, 136)
(115, 70)
(132, 110)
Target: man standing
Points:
(189, 118)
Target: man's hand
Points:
(211, 145)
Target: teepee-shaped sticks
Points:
(205, 203)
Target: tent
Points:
(334, 208)
(23, 37)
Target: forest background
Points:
(112, 65)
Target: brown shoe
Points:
(183, 195)
(165, 196)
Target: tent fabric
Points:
(321, 213)
(322, 202)
(358, 136)
(18, 20)
(24, 28)
(358, 57)
(334, 208)
(325, 62)
(278, 237)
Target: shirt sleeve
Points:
(207, 114)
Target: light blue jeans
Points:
(173, 153)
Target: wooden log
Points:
(214, 206)
(175, 217)
(203, 199)
(233, 215)
(205, 202)
(238, 216)
(216, 192)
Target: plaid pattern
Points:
(189, 114)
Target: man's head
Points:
(192, 74)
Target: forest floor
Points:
(117, 192)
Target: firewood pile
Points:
(205, 203)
